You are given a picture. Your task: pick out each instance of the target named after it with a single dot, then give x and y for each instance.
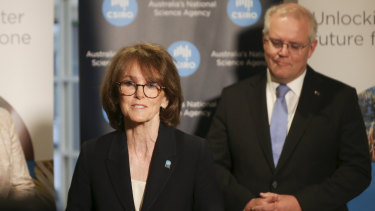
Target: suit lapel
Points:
(256, 97)
(119, 172)
(159, 173)
(308, 102)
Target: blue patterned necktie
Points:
(279, 122)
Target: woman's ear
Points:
(164, 102)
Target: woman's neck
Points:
(141, 139)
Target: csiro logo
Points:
(186, 56)
(244, 12)
(120, 12)
(105, 115)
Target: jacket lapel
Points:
(119, 172)
(160, 171)
(256, 97)
(308, 102)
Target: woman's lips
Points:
(139, 106)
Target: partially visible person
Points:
(145, 164)
(15, 180)
(290, 138)
(371, 141)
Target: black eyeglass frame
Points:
(119, 83)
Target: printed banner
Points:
(214, 43)
(345, 51)
(26, 83)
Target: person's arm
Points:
(353, 174)
(21, 182)
(79, 196)
(236, 196)
(207, 195)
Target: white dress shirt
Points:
(292, 97)
(15, 180)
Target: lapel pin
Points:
(168, 164)
(316, 92)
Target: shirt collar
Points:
(295, 85)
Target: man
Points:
(305, 149)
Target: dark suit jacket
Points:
(325, 160)
(101, 180)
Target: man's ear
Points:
(313, 46)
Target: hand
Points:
(273, 202)
(287, 202)
(265, 203)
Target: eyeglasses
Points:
(150, 90)
(293, 48)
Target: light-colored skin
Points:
(142, 120)
(267, 201)
(273, 202)
(284, 67)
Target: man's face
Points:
(287, 62)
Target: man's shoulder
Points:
(328, 82)
(246, 83)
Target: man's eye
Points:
(277, 43)
(295, 46)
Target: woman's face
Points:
(137, 108)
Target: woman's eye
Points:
(128, 83)
(152, 85)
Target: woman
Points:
(15, 181)
(145, 164)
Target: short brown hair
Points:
(157, 66)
